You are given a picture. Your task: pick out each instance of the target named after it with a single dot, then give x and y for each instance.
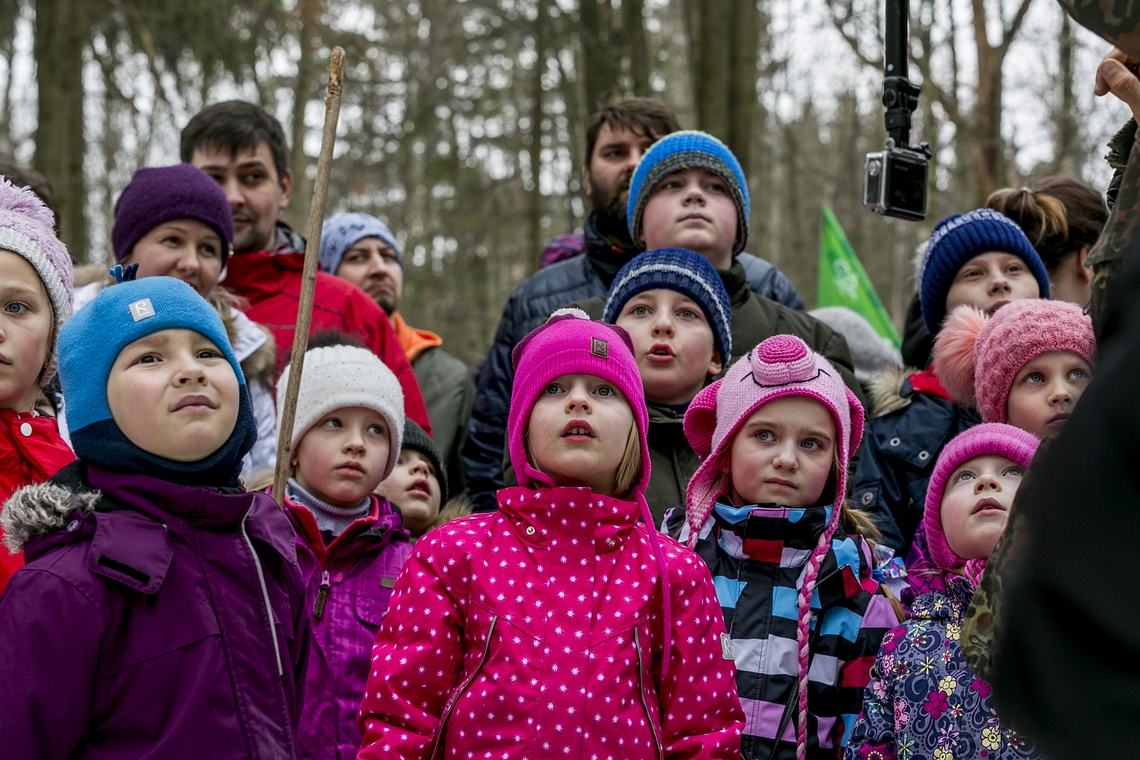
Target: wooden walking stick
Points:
(309, 276)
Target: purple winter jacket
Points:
(349, 583)
(151, 620)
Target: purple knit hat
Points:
(781, 366)
(26, 229)
(987, 439)
(977, 357)
(161, 194)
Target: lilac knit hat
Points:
(26, 229)
(161, 194)
(987, 439)
(977, 357)
(781, 366)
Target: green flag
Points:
(842, 281)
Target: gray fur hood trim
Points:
(39, 509)
(885, 390)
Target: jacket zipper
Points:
(264, 597)
(641, 678)
(459, 693)
(322, 595)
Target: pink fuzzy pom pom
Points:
(954, 352)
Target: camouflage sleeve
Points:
(1117, 21)
(1118, 236)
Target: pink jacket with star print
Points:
(536, 632)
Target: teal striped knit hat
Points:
(687, 149)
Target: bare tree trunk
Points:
(597, 58)
(534, 139)
(742, 83)
(308, 14)
(633, 23)
(62, 32)
(1065, 159)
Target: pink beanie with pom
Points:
(987, 439)
(27, 229)
(781, 366)
(977, 357)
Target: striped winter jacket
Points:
(757, 555)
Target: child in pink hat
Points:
(922, 693)
(1027, 365)
(561, 625)
(765, 510)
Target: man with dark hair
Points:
(243, 148)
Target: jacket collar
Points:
(735, 281)
(607, 253)
(950, 604)
(372, 533)
(537, 514)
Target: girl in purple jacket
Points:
(160, 612)
(350, 543)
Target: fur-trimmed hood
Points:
(39, 509)
(885, 390)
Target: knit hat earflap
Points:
(164, 193)
(91, 342)
(342, 231)
(959, 238)
(342, 376)
(416, 438)
(977, 357)
(687, 273)
(987, 439)
(688, 149)
(27, 230)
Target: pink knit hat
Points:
(569, 343)
(780, 366)
(987, 439)
(976, 357)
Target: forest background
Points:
(463, 120)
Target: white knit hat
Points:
(338, 377)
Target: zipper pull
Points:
(322, 595)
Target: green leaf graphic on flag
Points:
(843, 281)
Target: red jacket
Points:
(537, 632)
(271, 282)
(31, 451)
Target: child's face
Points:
(578, 430)
(692, 209)
(783, 454)
(341, 459)
(1045, 391)
(174, 395)
(990, 280)
(414, 488)
(976, 503)
(673, 343)
(185, 249)
(25, 332)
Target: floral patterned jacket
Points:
(923, 701)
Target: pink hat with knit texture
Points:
(781, 366)
(987, 439)
(977, 357)
(569, 343)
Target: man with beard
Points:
(242, 147)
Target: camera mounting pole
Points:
(900, 95)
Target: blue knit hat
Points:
(90, 343)
(687, 273)
(959, 238)
(687, 149)
(342, 231)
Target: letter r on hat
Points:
(142, 309)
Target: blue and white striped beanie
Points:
(959, 238)
(685, 272)
(688, 149)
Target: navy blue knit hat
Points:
(161, 194)
(688, 149)
(90, 343)
(685, 272)
(959, 238)
(342, 231)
